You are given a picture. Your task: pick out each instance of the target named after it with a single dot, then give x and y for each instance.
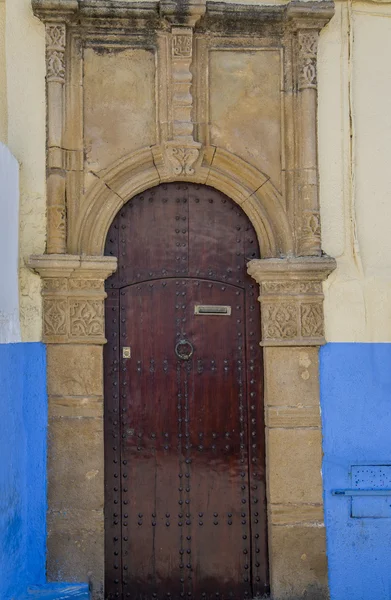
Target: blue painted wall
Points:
(23, 419)
(356, 418)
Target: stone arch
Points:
(243, 183)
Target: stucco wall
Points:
(354, 134)
(9, 223)
(22, 127)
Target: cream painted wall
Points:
(22, 127)
(354, 134)
(355, 174)
(3, 80)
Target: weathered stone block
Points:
(75, 370)
(299, 566)
(291, 376)
(75, 548)
(75, 463)
(294, 463)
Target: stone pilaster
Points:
(55, 79)
(306, 26)
(182, 151)
(73, 329)
(292, 329)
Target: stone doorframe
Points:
(290, 274)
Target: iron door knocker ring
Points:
(184, 355)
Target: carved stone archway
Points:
(228, 173)
(191, 140)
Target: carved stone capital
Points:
(291, 299)
(73, 296)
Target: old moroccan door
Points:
(185, 509)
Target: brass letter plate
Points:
(126, 352)
(212, 309)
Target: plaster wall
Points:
(22, 127)
(9, 222)
(354, 84)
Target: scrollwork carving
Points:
(55, 284)
(279, 320)
(55, 52)
(85, 284)
(55, 317)
(291, 287)
(86, 318)
(311, 319)
(182, 158)
(308, 47)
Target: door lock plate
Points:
(126, 353)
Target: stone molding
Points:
(73, 296)
(182, 98)
(291, 299)
(143, 169)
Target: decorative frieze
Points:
(291, 299)
(73, 297)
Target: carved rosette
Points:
(291, 299)
(307, 63)
(73, 297)
(55, 52)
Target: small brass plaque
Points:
(212, 309)
(126, 352)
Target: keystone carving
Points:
(181, 159)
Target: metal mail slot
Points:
(212, 309)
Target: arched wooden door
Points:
(185, 503)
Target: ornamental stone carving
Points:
(86, 318)
(55, 49)
(308, 48)
(73, 297)
(55, 317)
(181, 159)
(291, 299)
